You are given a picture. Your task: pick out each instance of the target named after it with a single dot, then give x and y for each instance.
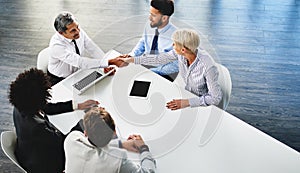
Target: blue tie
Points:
(154, 47)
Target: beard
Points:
(157, 24)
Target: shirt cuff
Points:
(137, 60)
(194, 102)
(104, 64)
(74, 105)
(197, 101)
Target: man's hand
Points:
(130, 146)
(134, 137)
(138, 140)
(107, 69)
(178, 104)
(133, 143)
(87, 104)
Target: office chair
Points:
(8, 144)
(224, 81)
(42, 59)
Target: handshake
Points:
(120, 61)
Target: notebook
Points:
(83, 79)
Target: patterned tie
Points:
(76, 47)
(154, 47)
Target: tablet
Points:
(140, 89)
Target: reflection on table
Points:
(203, 139)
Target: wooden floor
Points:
(258, 41)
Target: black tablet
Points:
(140, 89)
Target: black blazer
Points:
(39, 144)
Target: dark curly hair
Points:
(29, 93)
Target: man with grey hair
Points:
(196, 67)
(91, 152)
(66, 48)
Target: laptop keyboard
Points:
(87, 80)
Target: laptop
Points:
(89, 80)
(83, 79)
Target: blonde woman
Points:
(196, 67)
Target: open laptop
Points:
(83, 79)
(89, 80)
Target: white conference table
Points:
(203, 139)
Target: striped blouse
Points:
(200, 78)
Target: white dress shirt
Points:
(63, 59)
(82, 157)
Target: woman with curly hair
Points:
(39, 144)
